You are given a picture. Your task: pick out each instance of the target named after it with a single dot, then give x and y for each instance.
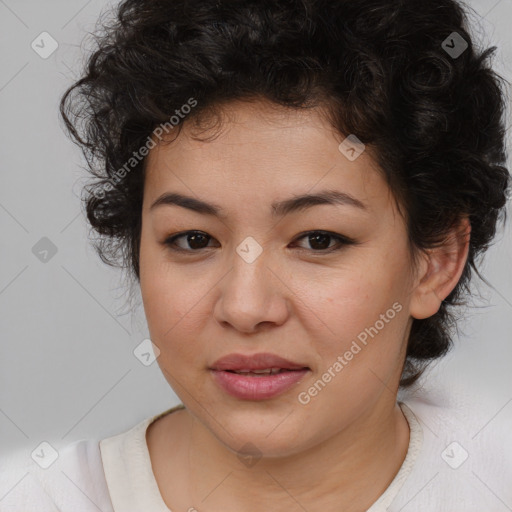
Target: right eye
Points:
(195, 239)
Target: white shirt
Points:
(452, 465)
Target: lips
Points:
(259, 373)
(264, 361)
(257, 377)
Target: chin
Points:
(271, 437)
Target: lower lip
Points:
(257, 388)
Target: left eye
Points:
(319, 241)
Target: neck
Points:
(348, 471)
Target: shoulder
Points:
(63, 480)
(465, 461)
(128, 468)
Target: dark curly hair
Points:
(379, 69)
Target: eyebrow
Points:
(279, 209)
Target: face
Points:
(324, 285)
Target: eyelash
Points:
(343, 241)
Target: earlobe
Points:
(440, 272)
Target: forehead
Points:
(260, 151)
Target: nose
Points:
(253, 296)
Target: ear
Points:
(440, 271)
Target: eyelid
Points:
(343, 241)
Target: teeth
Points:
(267, 371)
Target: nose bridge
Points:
(251, 294)
(250, 263)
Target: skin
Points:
(294, 301)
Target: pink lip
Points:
(257, 388)
(250, 387)
(254, 362)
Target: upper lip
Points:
(260, 361)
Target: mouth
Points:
(262, 363)
(262, 385)
(265, 372)
(257, 377)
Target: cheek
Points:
(360, 346)
(363, 315)
(174, 305)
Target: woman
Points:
(301, 189)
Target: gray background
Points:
(67, 368)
